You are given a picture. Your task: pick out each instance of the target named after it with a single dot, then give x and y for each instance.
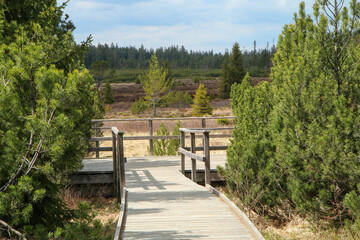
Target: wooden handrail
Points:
(191, 151)
(160, 119)
(118, 163)
(104, 139)
(150, 120)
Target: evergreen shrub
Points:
(139, 106)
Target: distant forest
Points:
(256, 61)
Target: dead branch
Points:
(9, 228)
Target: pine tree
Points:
(98, 68)
(315, 121)
(155, 83)
(108, 93)
(232, 71)
(201, 102)
(299, 139)
(47, 101)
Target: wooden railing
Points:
(151, 138)
(118, 163)
(191, 151)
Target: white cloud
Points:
(196, 24)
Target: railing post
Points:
(193, 161)
(182, 145)
(117, 168)
(151, 143)
(97, 142)
(122, 163)
(207, 158)
(203, 123)
(114, 163)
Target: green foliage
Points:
(98, 69)
(297, 142)
(250, 170)
(223, 121)
(232, 71)
(201, 102)
(139, 106)
(85, 227)
(196, 79)
(352, 201)
(108, 93)
(47, 101)
(167, 147)
(155, 83)
(178, 99)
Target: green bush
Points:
(167, 147)
(83, 227)
(177, 99)
(139, 106)
(296, 141)
(250, 167)
(201, 104)
(196, 79)
(352, 201)
(223, 121)
(108, 93)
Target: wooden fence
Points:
(151, 137)
(191, 151)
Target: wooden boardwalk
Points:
(164, 204)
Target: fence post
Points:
(118, 159)
(151, 143)
(97, 142)
(193, 161)
(207, 158)
(122, 163)
(203, 123)
(114, 162)
(182, 145)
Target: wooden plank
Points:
(187, 130)
(122, 163)
(159, 119)
(151, 142)
(182, 160)
(213, 148)
(101, 139)
(150, 137)
(97, 142)
(180, 209)
(207, 158)
(191, 155)
(193, 160)
(102, 149)
(114, 161)
(211, 129)
(107, 139)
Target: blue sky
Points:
(196, 24)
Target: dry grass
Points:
(105, 209)
(294, 227)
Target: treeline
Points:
(256, 61)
